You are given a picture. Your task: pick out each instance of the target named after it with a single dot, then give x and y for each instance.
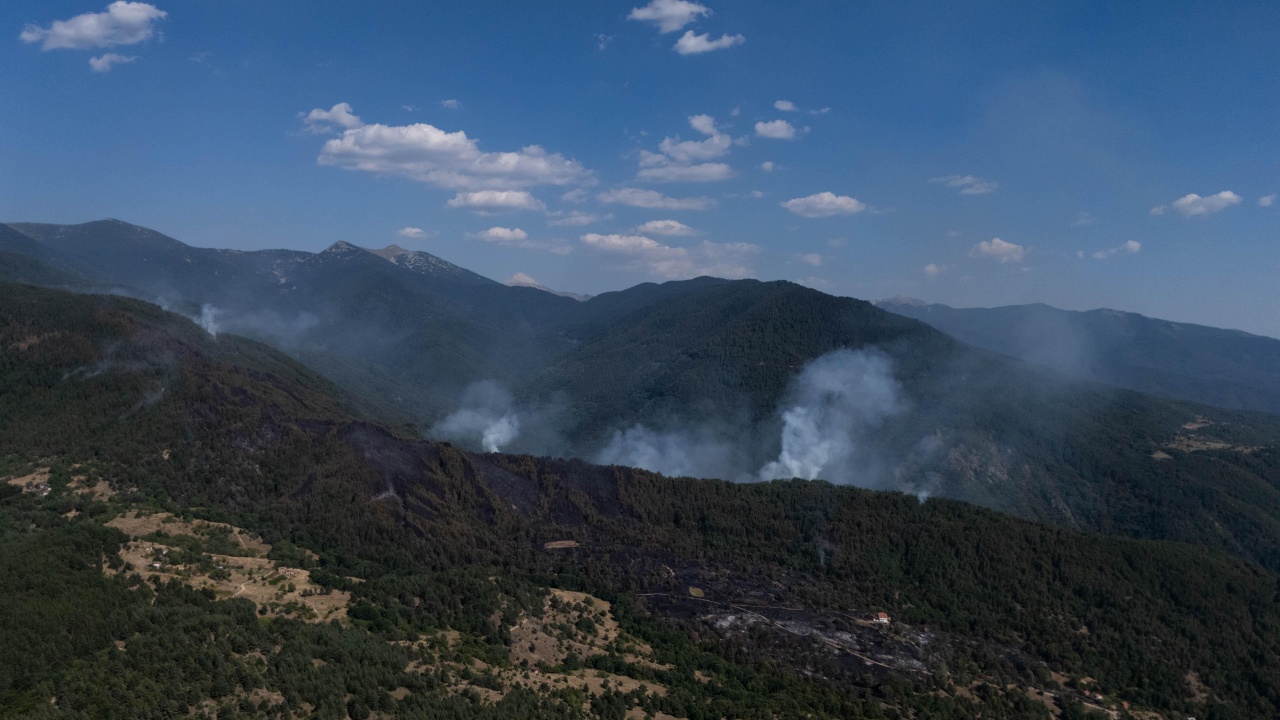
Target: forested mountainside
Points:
(194, 524)
(1226, 368)
(697, 378)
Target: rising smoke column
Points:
(209, 319)
(831, 409)
(486, 416)
(702, 452)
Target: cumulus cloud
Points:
(693, 44)
(1000, 251)
(502, 235)
(450, 160)
(340, 114)
(653, 200)
(1266, 200)
(967, 184)
(451, 104)
(813, 259)
(1083, 218)
(1130, 247)
(767, 166)
(576, 218)
(702, 172)
(684, 160)
(824, 204)
(496, 200)
(776, 130)
(645, 254)
(123, 23)
(104, 63)
(785, 106)
(1193, 204)
(517, 238)
(933, 270)
(669, 15)
(666, 227)
(704, 124)
(411, 232)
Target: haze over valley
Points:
(469, 360)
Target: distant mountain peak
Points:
(522, 280)
(903, 300)
(426, 264)
(342, 247)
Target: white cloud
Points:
(968, 184)
(704, 124)
(576, 219)
(1083, 218)
(411, 232)
(339, 114)
(767, 166)
(104, 63)
(1266, 200)
(1130, 247)
(451, 160)
(653, 200)
(669, 15)
(451, 104)
(776, 130)
(645, 254)
(1158, 210)
(123, 23)
(575, 195)
(666, 227)
(517, 238)
(602, 41)
(820, 111)
(691, 44)
(682, 161)
(1000, 251)
(824, 204)
(496, 200)
(502, 236)
(1193, 204)
(933, 270)
(704, 172)
(813, 259)
(785, 106)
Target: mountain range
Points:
(1227, 368)
(710, 378)
(198, 525)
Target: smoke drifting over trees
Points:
(827, 422)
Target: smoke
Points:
(833, 407)
(486, 416)
(208, 319)
(281, 330)
(829, 417)
(700, 453)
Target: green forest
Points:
(742, 601)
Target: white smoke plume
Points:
(702, 453)
(208, 319)
(828, 417)
(832, 408)
(486, 416)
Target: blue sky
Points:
(1082, 154)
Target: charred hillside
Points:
(696, 378)
(427, 537)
